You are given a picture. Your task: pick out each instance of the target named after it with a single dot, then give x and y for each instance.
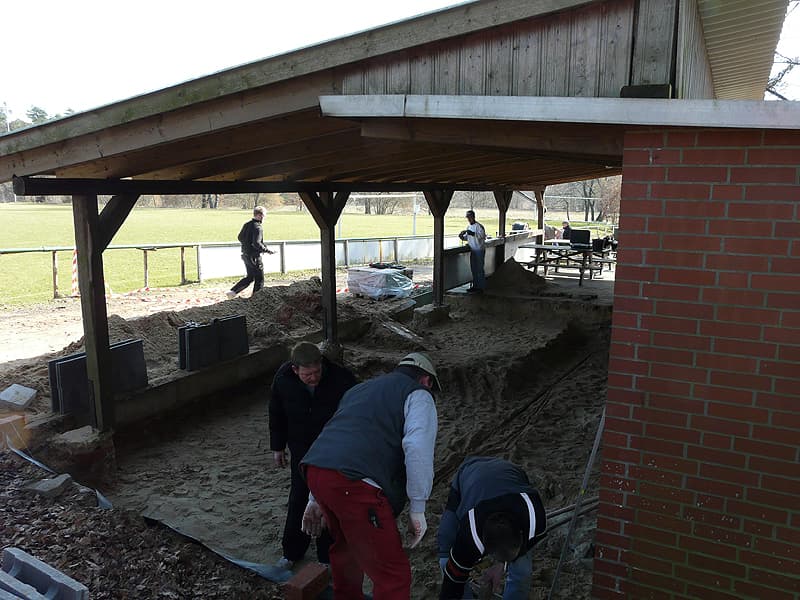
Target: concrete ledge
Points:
(185, 388)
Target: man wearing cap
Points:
(251, 237)
(475, 236)
(492, 510)
(374, 453)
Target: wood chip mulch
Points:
(115, 553)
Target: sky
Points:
(80, 54)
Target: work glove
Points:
(313, 519)
(417, 526)
(463, 236)
(279, 456)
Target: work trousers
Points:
(255, 274)
(476, 259)
(295, 542)
(365, 537)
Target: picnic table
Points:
(558, 254)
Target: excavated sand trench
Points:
(521, 381)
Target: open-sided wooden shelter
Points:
(700, 454)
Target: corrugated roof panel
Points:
(741, 70)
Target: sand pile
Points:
(512, 278)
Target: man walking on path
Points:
(492, 510)
(375, 452)
(305, 393)
(251, 237)
(475, 236)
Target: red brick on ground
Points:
(308, 583)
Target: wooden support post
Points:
(146, 271)
(283, 257)
(503, 199)
(326, 207)
(539, 193)
(55, 275)
(347, 253)
(93, 309)
(197, 258)
(183, 265)
(438, 202)
(396, 251)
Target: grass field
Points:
(27, 278)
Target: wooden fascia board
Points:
(603, 142)
(433, 27)
(212, 147)
(628, 112)
(192, 123)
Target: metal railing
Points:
(386, 248)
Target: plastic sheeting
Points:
(379, 284)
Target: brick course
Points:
(700, 475)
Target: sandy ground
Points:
(523, 369)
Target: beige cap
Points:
(422, 361)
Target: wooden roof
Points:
(262, 122)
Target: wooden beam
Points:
(326, 207)
(539, 194)
(503, 200)
(48, 186)
(598, 142)
(93, 308)
(438, 201)
(112, 217)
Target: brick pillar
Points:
(700, 492)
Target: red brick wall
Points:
(700, 491)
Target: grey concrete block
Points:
(47, 580)
(11, 587)
(17, 397)
(51, 487)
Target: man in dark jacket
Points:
(492, 510)
(251, 237)
(305, 393)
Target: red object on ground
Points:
(308, 583)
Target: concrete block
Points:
(232, 332)
(51, 487)
(17, 397)
(47, 580)
(308, 583)
(13, 426)
(130, 369)
(69, 381)
(11, 587)
(429, 315)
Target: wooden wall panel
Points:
(421, 72)
(527, 67)
(447, 71)
(375, 80)
(654, 47)
(555, 56)
(584, 52)
(398, 77)
(499, 66)
(693, 78)
(584, 56)
(616, 32)
(472, 67)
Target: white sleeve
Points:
(419, 439)
(480, 233)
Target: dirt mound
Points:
(513, 278)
